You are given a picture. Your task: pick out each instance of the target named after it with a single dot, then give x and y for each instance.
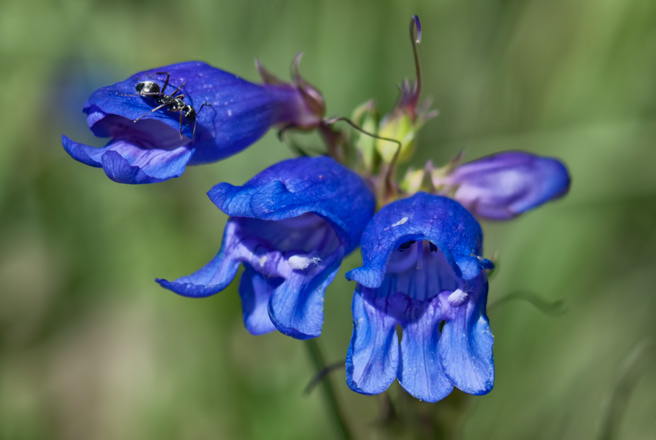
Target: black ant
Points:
(173, 102)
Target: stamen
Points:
(457, 298)
(302, 262)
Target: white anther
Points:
(301, 262)
(263, 260)
(457, 298)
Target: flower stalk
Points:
(330, 397)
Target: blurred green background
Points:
(92, 348)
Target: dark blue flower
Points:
(423, 271)
(290, 226)
(162, 142)
(505, 185)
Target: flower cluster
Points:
(290, 226)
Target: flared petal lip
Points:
(423, 216)
(125, 162)
(294, 187)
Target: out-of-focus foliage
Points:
(92, 348)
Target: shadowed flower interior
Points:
(419, 270)
(277, 248)
(146, 133)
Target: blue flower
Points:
(423, 271)
(505, 185)
(290, 226)
(225, 115)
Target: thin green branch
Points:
(338, 420)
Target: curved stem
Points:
(330, 398)
(389, 172)
(333, 121)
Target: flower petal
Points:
(466, 345)
(125, 162)
(293, 187)
(255, 291)
(438, 219)
(373, 355)
(83, 153)
(420, 372)
(505, 185)
(214, 276)
(296, 306)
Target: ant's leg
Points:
(152, 111)
(166, 82)
(193, 134)
(204, 104)
(181, 116)
(177, 90)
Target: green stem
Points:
(328, 392)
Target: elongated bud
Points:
(505, 185)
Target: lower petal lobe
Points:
(296, 306)
(127, 162)
(466, 345)
(420, 372)
(214, 276)
(255, 291)
(373, 355)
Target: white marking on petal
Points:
(457, 298)
(400, 222)
(263, 260)
(301, 262)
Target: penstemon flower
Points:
(290, 226)
(191, 113)
(422, 270)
